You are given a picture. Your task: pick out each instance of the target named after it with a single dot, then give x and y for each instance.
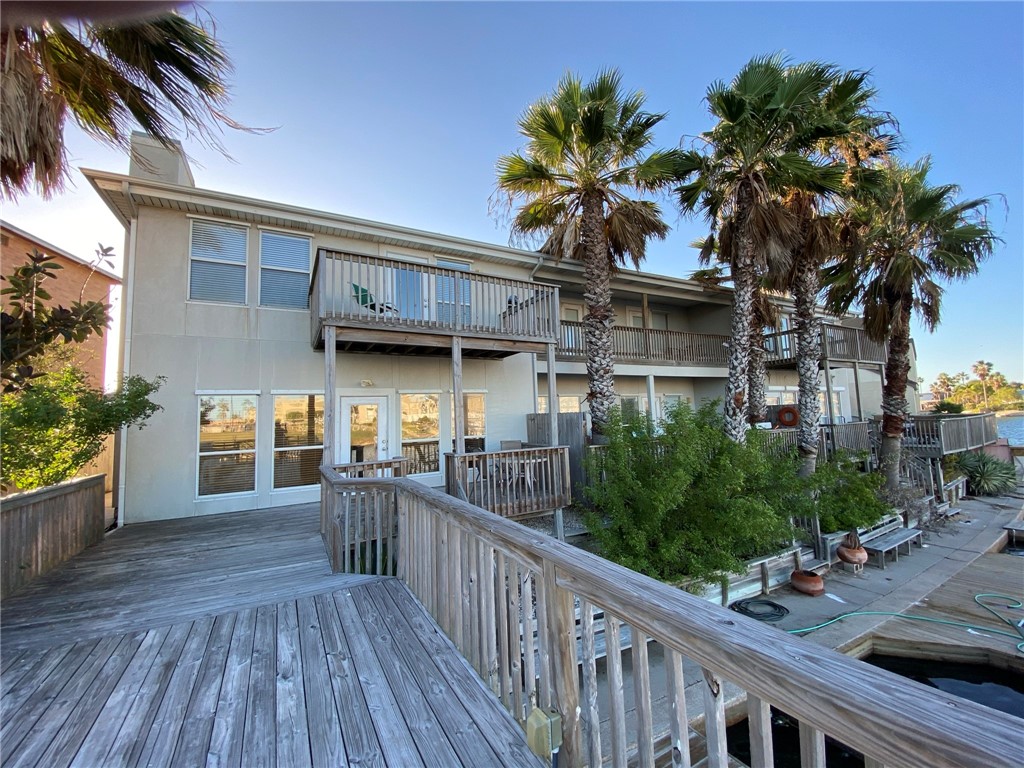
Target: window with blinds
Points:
(217, 255)
(284, 270)
(298, 440)
(227, 444)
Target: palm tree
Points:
(982, 369)
(848, 134)
(943, 387)
(913, 234)
(160, 73)
(584, 156)
(754, 156)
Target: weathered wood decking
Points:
(227, 641)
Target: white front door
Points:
(363, 429)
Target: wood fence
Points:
(516, 483)
(525, 611)
(572, 432)
(41, 529)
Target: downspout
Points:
(540, 262)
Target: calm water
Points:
(1012, 428)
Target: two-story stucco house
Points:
(439, 343)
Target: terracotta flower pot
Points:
(807, 582)
(855, 555)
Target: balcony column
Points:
(828, 394)
(458, 398)
(856, 389)
(552, 397)
(650, 397)
(330, 401)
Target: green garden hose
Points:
(1010, 603)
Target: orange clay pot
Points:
(807, 582)
(855, 555)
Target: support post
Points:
(330, 388)
(828, 394)
(650, 398)
(458, 397)
(552, 397)
(856, 389)
(561, 640)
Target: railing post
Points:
(561, 625)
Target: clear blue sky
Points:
(397, 112)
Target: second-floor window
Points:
(284, 270)
(217, 254)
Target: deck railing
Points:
(532, 615)
(373, 292)
(515, 483)
(649, 345)
(934, 435)
(839, 343)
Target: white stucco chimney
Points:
(152, 160)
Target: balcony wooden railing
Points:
(839, 343)
(378, 293)
(515, 483)
(530, 614)
(649, 345)
(933, 435)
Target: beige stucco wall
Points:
(203, 347)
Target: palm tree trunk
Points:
(744, 284)
(599, 317)
(757, 373)
(808, 361)
(894, 396)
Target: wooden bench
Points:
(891, 542)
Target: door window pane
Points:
(363, 431)
(421, 433)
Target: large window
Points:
(566, 403)
(227, 444)
(476, 420)
(217, 255)
(298, 440)
(421, 433)
(284, 270)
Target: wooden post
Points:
(828, 394)
(561, 640)
(650, 397)
(459, 399)
(552, 397)
(330, 400)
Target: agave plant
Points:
(987, 475)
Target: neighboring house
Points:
(234, 300)
(15, 247)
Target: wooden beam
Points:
(362, 330)
(552, 396)
(650, 396)
(460, 405)
(330, 388)
(856, 389)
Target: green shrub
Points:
(847, 498)
(946, 406)
(987, 475)
(56, 426)
(684, 502)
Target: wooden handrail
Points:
(512, 483)
(649, 344)
(505, 595)
(839, 342)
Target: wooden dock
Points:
(227, 641)
(954, 601)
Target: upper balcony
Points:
(647, 345)
(839, 343)
(398, 307)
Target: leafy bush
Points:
(947, 406)
(56, 426)
(846, 497)
(987, 475)
(684, 501)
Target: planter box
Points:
(41, 529)
(829, 541)
(763, 575)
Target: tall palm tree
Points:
(912, 235)
(163, 74)
(583, 160)
(982, 369)
(753, 157)
(846, 133)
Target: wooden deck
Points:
(954, 601)
(227, 641)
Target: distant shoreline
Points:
(1000, 414)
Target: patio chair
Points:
(366, 299)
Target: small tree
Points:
(55, 427)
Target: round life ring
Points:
(789, 416)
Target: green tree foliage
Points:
(683, 501)
(972, 394)
(50, 430)
(29, 326)
(947, 406)
(846, 498)
(987, 475)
